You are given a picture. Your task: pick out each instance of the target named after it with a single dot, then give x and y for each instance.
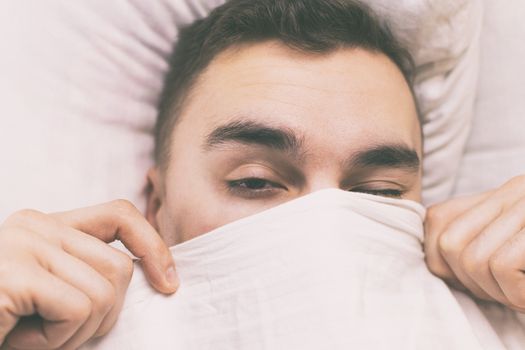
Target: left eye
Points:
(385, 192)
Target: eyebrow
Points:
(389, 155)
(397, 156)
(254, 133)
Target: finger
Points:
(437, 220)
(488, 242)
(453, 254)
(121, 220)
(113, 265)
(117, 269)
(8, 318)
(507, 266)
(110, 263)
(63, 307)
(463, 230)
(83, 277)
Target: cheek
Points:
(188, 215)
(191, 216)
(195, 219)
(190, 208)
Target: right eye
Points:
(253, 187)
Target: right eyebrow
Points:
(254, 133)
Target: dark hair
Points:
(312, 26)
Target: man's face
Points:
(265, 124)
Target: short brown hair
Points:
(311, 26)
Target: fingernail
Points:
(171, 277)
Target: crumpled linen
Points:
(330, 270)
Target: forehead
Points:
(348, 94)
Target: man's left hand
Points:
(478, 243)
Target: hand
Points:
(478, 243)
(61, 283)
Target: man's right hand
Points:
(61, 283)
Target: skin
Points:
(476, 243)
(58, 268)
(338, 105)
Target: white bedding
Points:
(331, 270)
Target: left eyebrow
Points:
(396, 156)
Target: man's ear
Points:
(154, 198)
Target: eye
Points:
(387, 192)
(254, 187)
(252, 183)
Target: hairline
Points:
(178, 105)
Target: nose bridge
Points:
(323, 178)
(325, 165)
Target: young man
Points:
(266, 101)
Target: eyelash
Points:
(389, 192)
(241, 187)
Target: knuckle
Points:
(471, 261)
(468, 264)
(439, 270)
(11, 238)
(124, 206)
(447, 245)
(120, 266)
(80, 311)
(14, 276)
(22, 216)
(497, 264)
(437, 213)
(6, 271)
(437, 216)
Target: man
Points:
(266, 101)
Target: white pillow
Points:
(79, 84)
(443, 37)
(496, 149)
(80, 81)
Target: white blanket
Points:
(331, 270)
